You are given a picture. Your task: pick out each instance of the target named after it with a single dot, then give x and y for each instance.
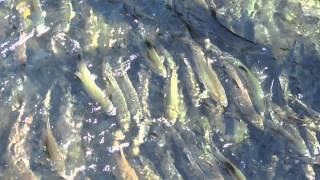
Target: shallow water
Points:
(40, 54)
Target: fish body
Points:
(184, 160)
(174, 102)
(241, 95)
(172, 97)
(117, 98)
(68, 14)
(40, 14)
(92, 31)
(19, 146)
(31, 12)
(131, 96)
(19, 150)
(192, 86)
(288, 131)
(23, 8)
(21, 51)
(93, 90)
(53, 149)
(253, 84)
(234, 171)
(162, 159)
(137, 8)
(54, 152)
(147, 169)
(124, 169)
(208, 76)
(150, 55)
(168, 57)
(154, 60)
(70, 125)
(143, 126)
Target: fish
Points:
(137, 8)
(20, 144)
(241, 95)
(272, 166)
(197, 137)
(71, 126)
(154, 60)
(144, 124)
(21, 50)
(256, 93)
(162, 159)
(92, 31)
(124, 169)
(23, 8)
(93, 90)
(203, 158)
(40, 13)
(184, 160)
(175, 103)
(252, 83)
(290, 133)
(28, 8)
(312, 143)
(214, 112)
(32, 9)
(117, 97)
(150, 55)
(168, 57)
(207, 75)
(309, 118)
(131, 95)
(191, 83)
(286, 114)
(309, 111)
(68, 15)
(19, 151)
(232, 169)
(54, 152)
(237, 128)
(309, 171)
(146, 169)
(182, 107)
(172, 97)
